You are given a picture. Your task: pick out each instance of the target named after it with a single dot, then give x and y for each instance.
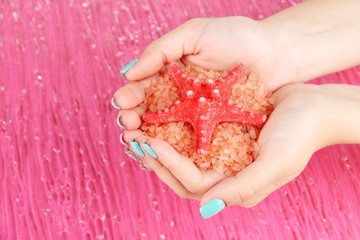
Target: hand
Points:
(220, 44)
(306, 118)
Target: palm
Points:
(226, 42)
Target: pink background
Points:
(63, 172)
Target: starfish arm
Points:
(235, 114)
(183, 81)
(203, 132)
(176, 113)
(160, 117)
(228, 82)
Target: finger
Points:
(170, 47)
(130, 119)
(162, 172)
(127, 135)
(125, 138)
(132, 94)
(168, 178)
(194, 180)
(271, 169)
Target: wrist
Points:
(319, 37)
(300, 45)
(339, 105)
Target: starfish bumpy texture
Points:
(205, 105)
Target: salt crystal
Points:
(252, 133)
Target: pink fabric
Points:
(63, 172)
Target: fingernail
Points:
(212, 208)
(131, 154)
(122, 139)
(141, 165)
(148, 149)
(118, 122)
(127, 67)
(113, 104)
(136, 147)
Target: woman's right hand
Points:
(219, 44)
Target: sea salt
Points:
(232, 148)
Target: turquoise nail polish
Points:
(148, 149)
(141, 165)
(114, 105)
(131, 154)
(127, 67)
(122, 139)
(212, 208)
(118, 123)
(136, 147)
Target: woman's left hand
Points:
(306, 118)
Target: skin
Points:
(312, 39)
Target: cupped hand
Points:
(306, 118)
(220, 44)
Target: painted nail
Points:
(131, 154)
(118, 122)
(141, 165)
(212, 208)
(127, 67)
(148, 149)
(122, 139)
(136, 147)
(114, 105)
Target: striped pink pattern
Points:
(63, 172)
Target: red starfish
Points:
(204, 106)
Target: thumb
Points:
(272, 169)
(170, 47)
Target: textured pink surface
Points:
(63, 171)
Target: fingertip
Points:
(148, 149)
(129, 119)
(128, 67)
(113, 103)
(130, 95)
(128, 134)
(212, 208)
(148, 64)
